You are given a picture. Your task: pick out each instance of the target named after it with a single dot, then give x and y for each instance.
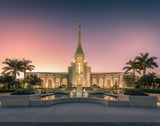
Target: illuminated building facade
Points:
(80, 73)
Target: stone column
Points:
(97, 83)
(121, 80)
(46, 84)
(112, 81)
(104, 81)
(61, 80)
(55, 82)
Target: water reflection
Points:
(158, 104)
(109, 97)
(67, 96)
(48, 97)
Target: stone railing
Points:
(34, 100)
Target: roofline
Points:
(67, 72)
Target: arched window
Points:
(108, 83)
(50, 83)
(64, 81)
(94, 81)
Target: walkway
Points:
(79, 112)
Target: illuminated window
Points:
(94, 81)
(57, 82)
(79, 65)
(107, 83)
(49, 83)
(65, 81)
(79, 80)
(79, 71)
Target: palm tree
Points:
(132, 65)
(145, 62)
(14, 66)
(26, 66)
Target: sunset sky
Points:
(46, 32)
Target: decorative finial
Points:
(79, 26)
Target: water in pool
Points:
(67, 96)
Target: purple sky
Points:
(46, 32)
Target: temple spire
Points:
(79, 46)
(79, 26)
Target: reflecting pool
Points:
(104, 96)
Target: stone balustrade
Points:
(34, 100)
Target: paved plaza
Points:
(79, 112)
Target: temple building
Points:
(80, 73)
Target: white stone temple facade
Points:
(80, 73)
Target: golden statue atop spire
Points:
(79, 26)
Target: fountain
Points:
(78, 93)
(73, 93)
(85, 93)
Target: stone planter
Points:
(154, 94)
(143, 101)
(118, 103)
(17, 100)
(123, 97)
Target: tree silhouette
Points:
(26, 65)
(13, 67)
(144, 62)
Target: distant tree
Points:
(157, 81)
(14, 66)
(8, 80)
(147, 80)
(33, 80)
(129, 80)
(132, 65)
(26, 65)
(144, 62)
(116, 87)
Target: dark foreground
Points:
(78, 124)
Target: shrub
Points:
(23, 92)
(95, 86)
(137, 92)
(6, 90)
(62, 86)
(151, 90)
